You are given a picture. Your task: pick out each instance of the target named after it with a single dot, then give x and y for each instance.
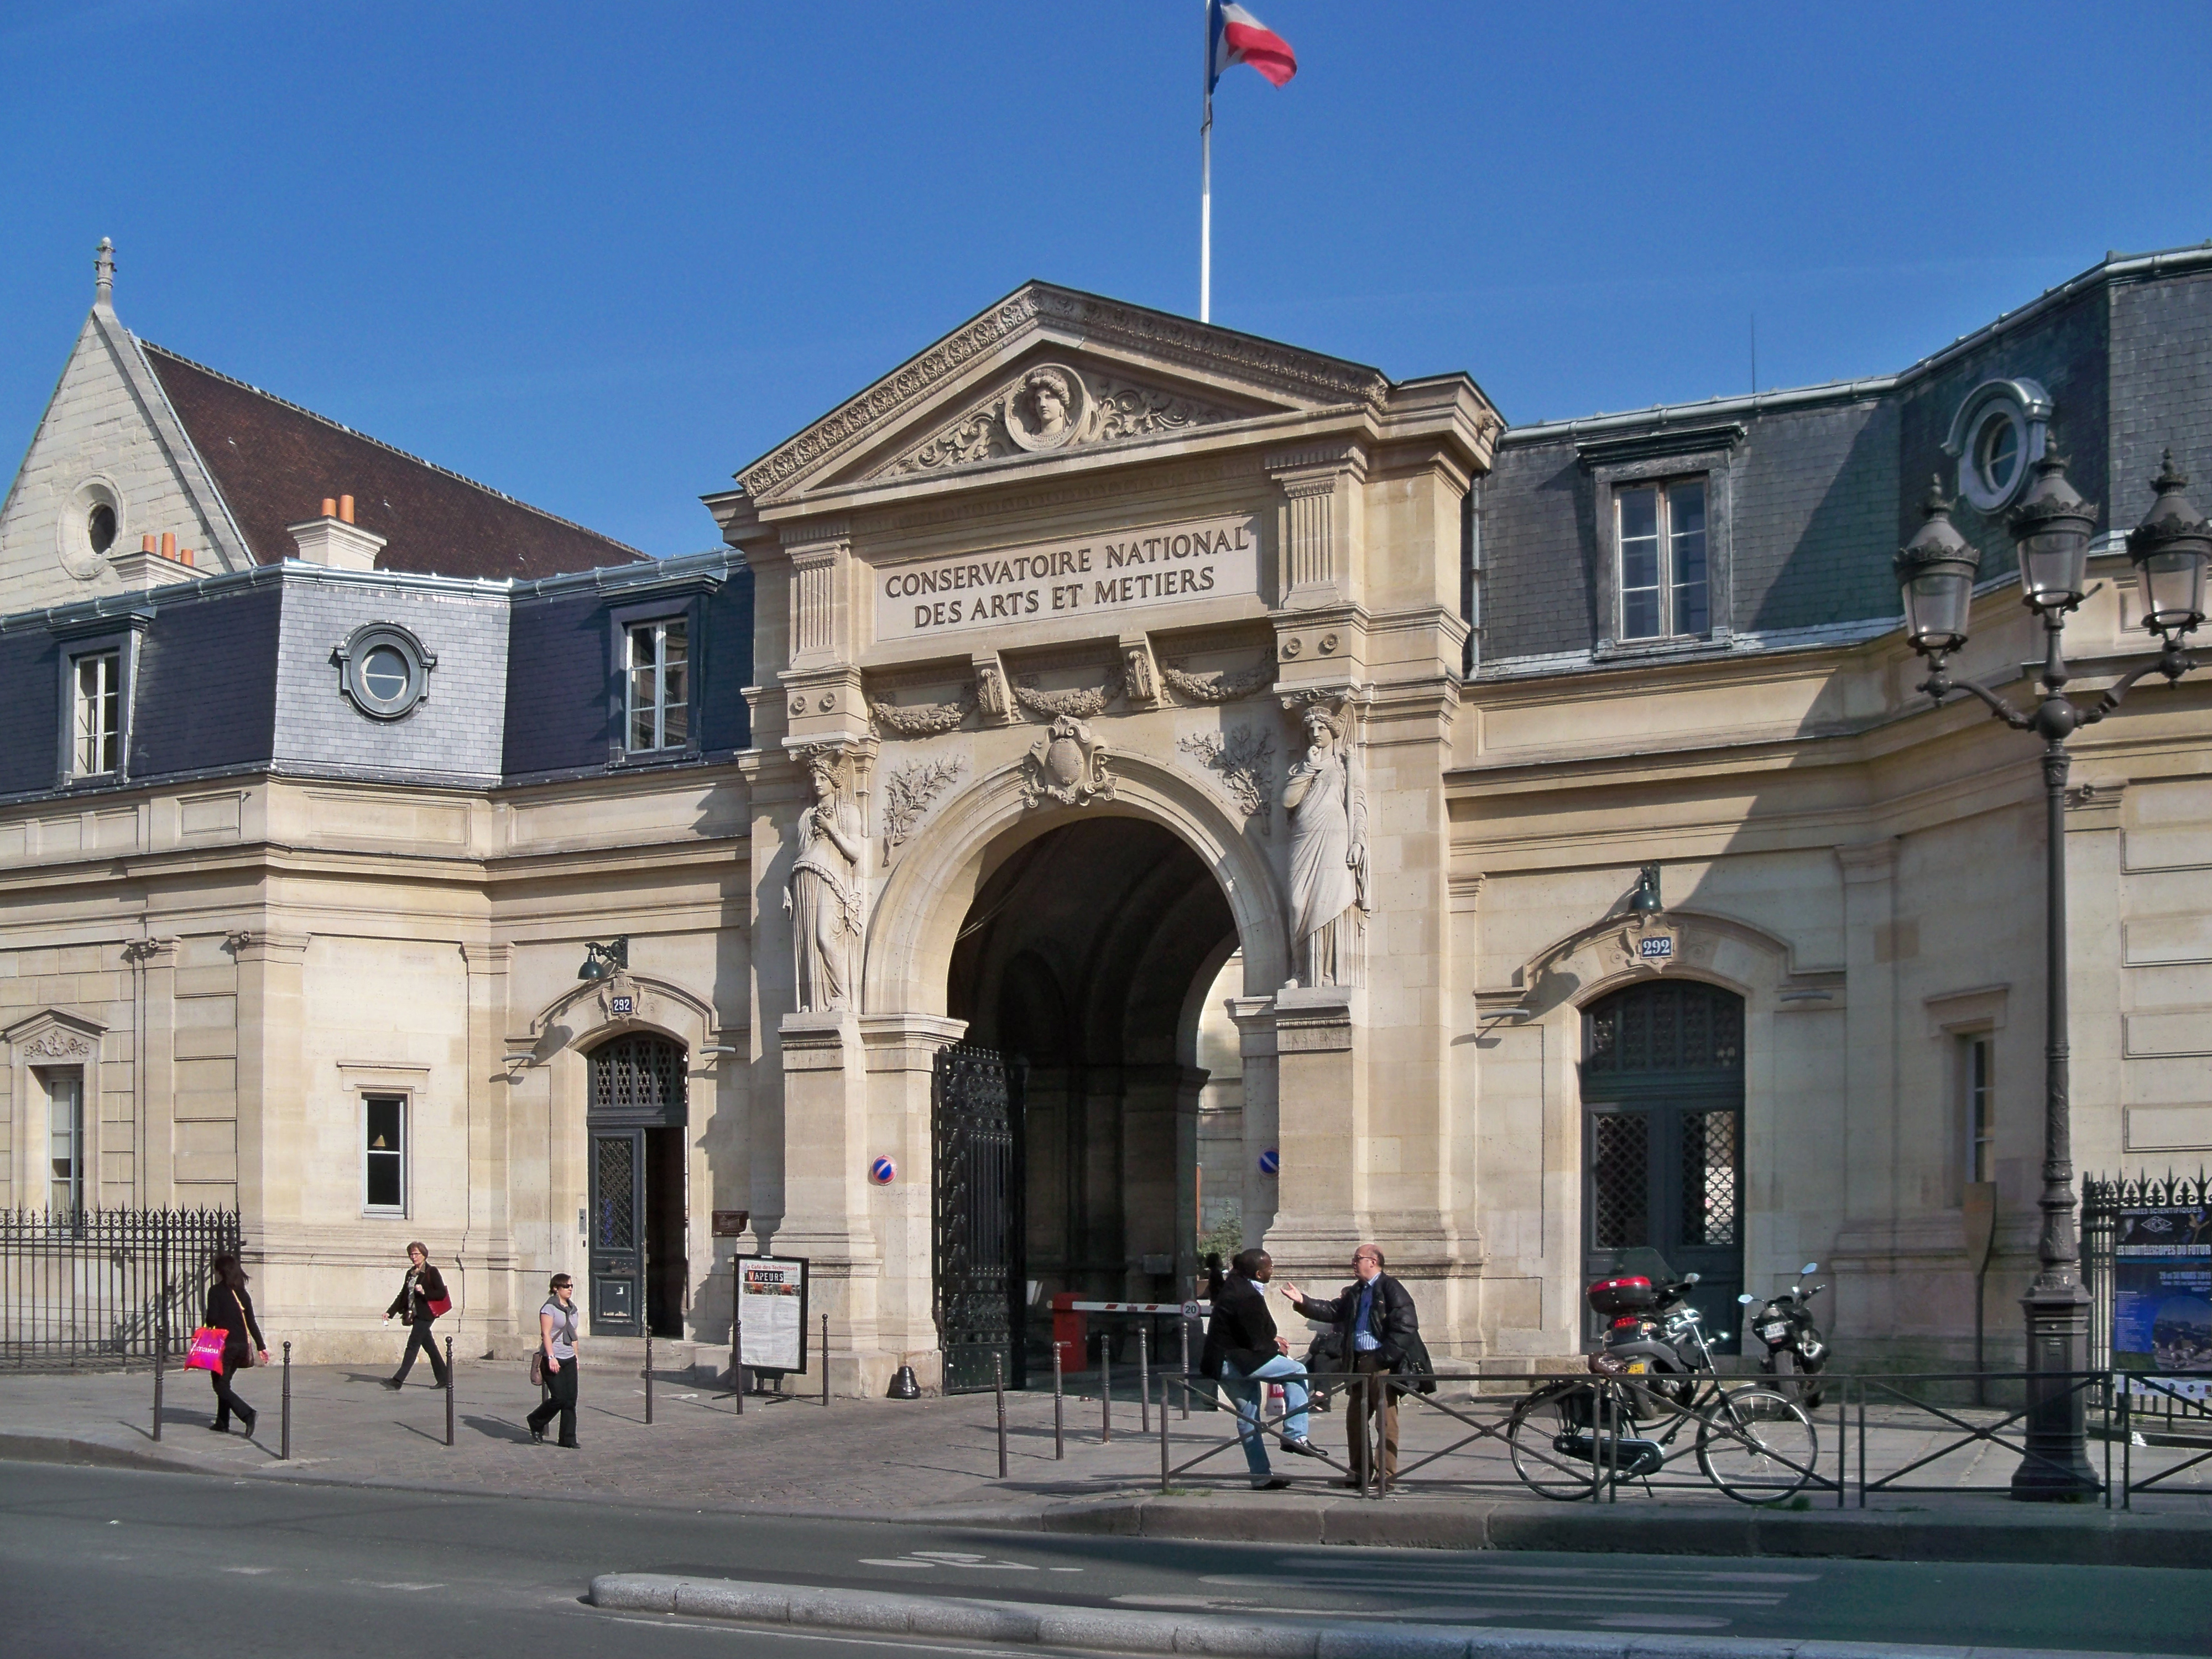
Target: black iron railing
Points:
(100, 1287)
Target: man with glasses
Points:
(1377, 1333)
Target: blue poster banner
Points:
(2162, 1293)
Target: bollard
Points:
(161, 1353)
(449, 1390)
(1163, 1436)
(1058, 1426)
(284, 1455)
(1185, 1323)
(1105, 1388)
(1144, 1382)
(825, 1362)
(648, 1376)
(998, 1387)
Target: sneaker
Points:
(1301, 1447)
(1273, 1483)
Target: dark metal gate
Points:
(638, 1090)
(977, 1257)
(1663, 1154)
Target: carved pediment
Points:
(1052, 406)
(1130, 357)
(53, 1035)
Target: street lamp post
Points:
(2050, 528)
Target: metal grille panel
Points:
(975, 1216)
(1709, 1177)
(1678, 1027)
(1620, 1180)
(103, 1287)
(617, 1217)
(640, 1077)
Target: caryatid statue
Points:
(1326, 798)
(826, 899)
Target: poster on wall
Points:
(2162, 1297)
(772, 1291)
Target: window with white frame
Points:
(384, 1154)
(1660, 537)
(1978, 1114)
(64, 1091)
(95, 713)
(657, 685)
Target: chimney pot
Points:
(169, 543)
(146, 542)
(329, 508)
(345, 509)
(184, 556)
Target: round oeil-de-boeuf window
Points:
(385, 670)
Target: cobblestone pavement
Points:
(888, 1457)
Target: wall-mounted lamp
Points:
(1646, 901)
(602, 961)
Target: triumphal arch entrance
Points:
(1096, 648)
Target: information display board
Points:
(2162, 1295)
(772, 1305)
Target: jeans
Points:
(1242, 1388)
(419, 1338)
(560, 1401)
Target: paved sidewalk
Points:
(937, 1459)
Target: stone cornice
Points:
(1030, 311)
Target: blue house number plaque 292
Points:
(629, 1005)
(1658, 949)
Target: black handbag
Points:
(1416, 1366)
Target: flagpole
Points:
(1205, 212)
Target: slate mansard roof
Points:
(275, 463)
(1822, 483)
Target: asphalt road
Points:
(101, 1562)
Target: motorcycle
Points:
(1795, 1347)
(1655, 1340)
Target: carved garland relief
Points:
(1050, 407)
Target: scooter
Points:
(1653, 1340)
(1795, 1347)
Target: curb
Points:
(2088, 1537)
(884, 1613)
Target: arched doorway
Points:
(1076, 961)
(636, 1120)
(1662, 1138)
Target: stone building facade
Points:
(1261, 754)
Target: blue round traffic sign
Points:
(1271, 1161)
(882, 1172)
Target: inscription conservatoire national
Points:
(1206, 559)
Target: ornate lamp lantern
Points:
(2171, 548)
(2050, 528)
(1935, 572)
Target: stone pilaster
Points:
(1321, 524)
(153, 975)
(272, 1083)
(487, 1255)
(901, 1052)
(1260, 1193)
(1322, 1080)
(826, 1192)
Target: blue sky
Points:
(601, 257)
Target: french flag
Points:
(1235, 36)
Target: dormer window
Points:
(657, 685)
(1996, 436)
(96, 713)
(1665, 586)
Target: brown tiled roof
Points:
(275, 463)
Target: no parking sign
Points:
(882, 1172)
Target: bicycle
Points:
(1567, 1439)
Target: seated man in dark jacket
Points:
(1376, 1331)
(1241, 1348)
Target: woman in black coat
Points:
(230, 1308)
(421, 1298)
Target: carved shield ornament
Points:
(1068, 765)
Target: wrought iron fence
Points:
(99, 1287)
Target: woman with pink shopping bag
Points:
(229, 1311)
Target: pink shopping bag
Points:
(207, 1349)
